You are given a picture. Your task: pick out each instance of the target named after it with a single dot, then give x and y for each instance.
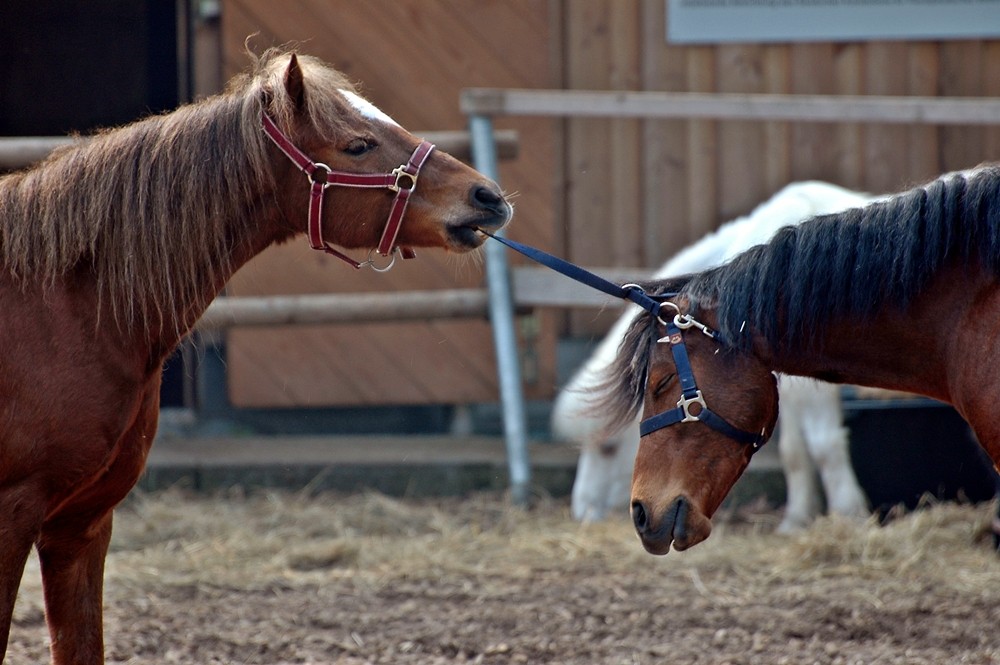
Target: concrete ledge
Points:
(393, 465)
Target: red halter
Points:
(402, 180)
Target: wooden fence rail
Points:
(726, 106)
(531, 286)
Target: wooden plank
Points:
(961, 64)
(344, 308)
(885, 148)
(923, 141)
(817, 151)
(777, 135)
(703, 156)
(626, 140)
(590, 145)
(801, 108)
(990, 87)
(847, 141)
(741, 145)
(667, 146)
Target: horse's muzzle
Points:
(492, 212)
(681, 525)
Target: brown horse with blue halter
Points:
(902, 294)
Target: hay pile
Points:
(475, 580)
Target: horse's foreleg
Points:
(830, 449)
(16, 537)
(803, 500)
(72, 563)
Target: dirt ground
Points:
(282, 578)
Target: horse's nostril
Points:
(639, 517)
(487, 199)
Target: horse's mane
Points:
(850, 264)
(153, 210)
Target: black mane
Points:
(849, 264)
(853, 263)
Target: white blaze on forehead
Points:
(366, 108)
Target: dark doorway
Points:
(80, 65)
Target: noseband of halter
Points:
(402, 180)
(690, 394)
(691, 407)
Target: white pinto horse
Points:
(812, 436)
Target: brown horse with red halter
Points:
(902, 294)
(113, 247)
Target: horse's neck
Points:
(258, 236)
(915, 350)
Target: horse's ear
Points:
(294, 84)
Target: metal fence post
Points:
(484, 159)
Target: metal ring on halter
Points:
(371, 260)
(675, 308)
(320, 173)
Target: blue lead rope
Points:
(690, 393)
(629, 292)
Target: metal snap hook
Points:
(685, 321)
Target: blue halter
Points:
(691, 407)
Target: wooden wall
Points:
(625, 192)
(639, 190)
(411, 57)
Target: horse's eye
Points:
(360, 146)
(662, 384)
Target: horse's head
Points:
(343, 134)
(706, 408)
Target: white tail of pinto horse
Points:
(812, 436)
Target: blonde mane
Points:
(152, 211)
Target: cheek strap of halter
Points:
(402, 180)
(691, 407)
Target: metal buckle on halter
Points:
(684, 404)
(400, 172)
